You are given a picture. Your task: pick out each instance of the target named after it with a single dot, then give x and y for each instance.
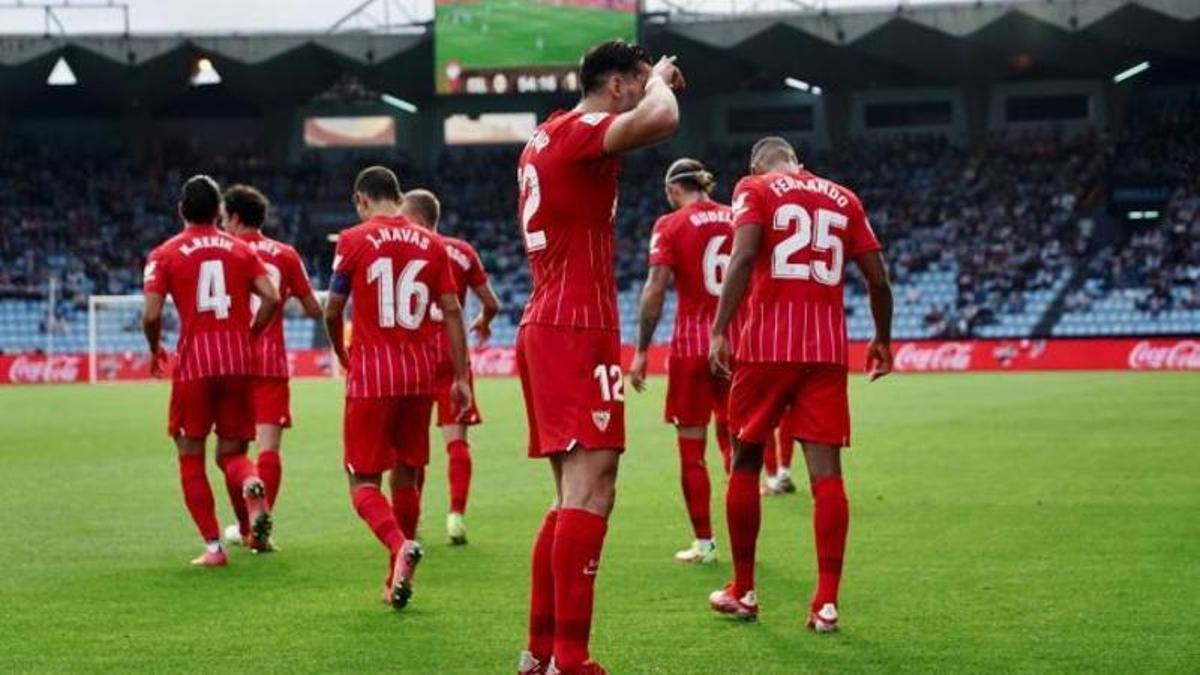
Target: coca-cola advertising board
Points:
(924, 356)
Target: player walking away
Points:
(690, 246)
(422, 207)
(393, 270)
(568, 347)
(777, 462)
(245, 212)
(794, 232)
(211, 276)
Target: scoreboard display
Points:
(522, 46)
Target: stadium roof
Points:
(907, 45)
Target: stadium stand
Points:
(982, 240)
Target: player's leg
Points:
(235, 428)
(540, 648)
(273, 414)
(757, 401)
(821, 421)
(588, 493)
(689, 405)
(367, 432)
(771, 464)
(458, 470)
(720, 415)
(406, 498)
(697, 494)
(787, 450)
(198, 497)
(190, 418)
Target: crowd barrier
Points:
(910, 357)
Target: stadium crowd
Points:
(1008, 216)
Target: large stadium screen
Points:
(521, 46)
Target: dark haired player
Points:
(395, 272)
(422, 207)
(689, 246)
(211, 276)
(245, 212)
(569, 347)
(795, 231)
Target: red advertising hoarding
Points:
(1179, 354)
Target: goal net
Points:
(117, 347)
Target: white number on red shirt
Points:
(404, 301)
(795, 217)
(715, 265)
(531, 190)
(276, 278)
(210, 289)
(612, 385)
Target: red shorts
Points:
(694, 394)
(272, 401)
(447, 412)
(224, 402)
(573, 386)
(380, 433)
(812, 397)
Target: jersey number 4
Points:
(404, 301)
(210, 289)
(797, 218)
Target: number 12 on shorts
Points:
(612, 384)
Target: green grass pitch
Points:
(1041, 522)
(505, 33)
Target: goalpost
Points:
(114, 330)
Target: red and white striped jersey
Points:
(694, 242)
(210, 276)
(468, 273)
(568, 198)
(287, 272)
(811, 227)
(397, 270)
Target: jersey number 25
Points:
(797, 219)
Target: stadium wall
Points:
(924, 356)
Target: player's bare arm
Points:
(311, 306)
(649, 313)
(269, 296)
(879, 292)
(655, 118)
(737, 277)
(152, 328)
(460, 391)
(335, 329)
(481, 327)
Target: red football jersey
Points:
(287, 272)
(694, 242)
(210, 276)
(468, 272)
(397, 271)
(568, 197)
(811, 227)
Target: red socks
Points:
(198, 496)
(831, 520)
(460, 474)
(787, 448)
(578, 539)
(238, 501)
(770, 458)
(541, 591)
(743, 514)
(270, 470)
(237, 467)
(406, 505)
(375, 511)
(726, 445)
(696, 490)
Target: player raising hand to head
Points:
(569, 345)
